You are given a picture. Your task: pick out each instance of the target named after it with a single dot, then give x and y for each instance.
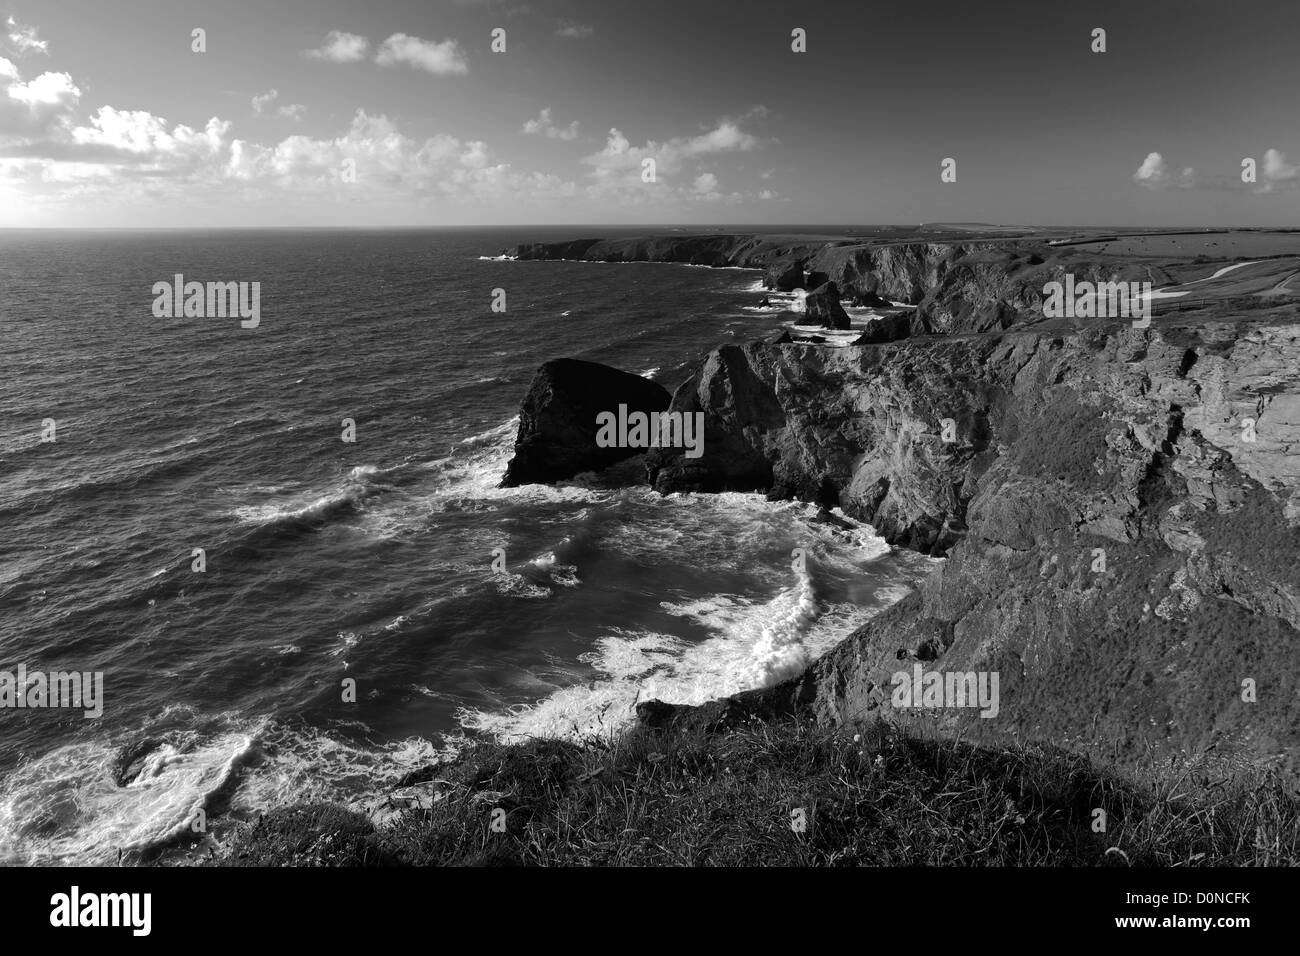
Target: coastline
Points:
(842, 690)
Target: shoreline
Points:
(836, 693)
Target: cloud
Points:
(542, 126)
(1154, 173)
(340, 47)
(41, 107)
(48, 89)
(706, 183)
(1276, 168)
(292, 111)
(131, 158)
(620, 156)
(24, 39)
(574, 31)
(616, 170)
(443, 57)
(262, 100)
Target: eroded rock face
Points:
(887, 328)
(784, 277)
(557, 421)
(823, 308)
(956, 285)
(1118, 550)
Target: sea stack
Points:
(557, 420)
(824, 309)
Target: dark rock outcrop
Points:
(823, 308)
(784, 277)
(887, 328)
(557, 421)
(870, 300)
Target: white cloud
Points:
(573, 30)
(142, 138)
(24, 39)
(443, 57)
(38, 108)
(48, 89)
(542, 126)
(341, 47)
(262, 101)
(1154, 173)
(1276, 168)
(616, 170)
(121, 158)
(620, 156)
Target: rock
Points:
(557, 420)
(780, 338)
(887, 328)
(765, 303)
(870, 300)
(822, 306)
(816, 279)
(785, 277)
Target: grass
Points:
(884, 798)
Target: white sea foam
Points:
(518, 586)
(65, 806)
(473, 472)
(748, 642)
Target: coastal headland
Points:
(1118, 507)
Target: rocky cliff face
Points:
(1118, 508)
(972, 286)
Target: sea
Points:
(282, 615)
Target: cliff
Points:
(1118, 508)
(957, 286)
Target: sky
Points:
(401, 113)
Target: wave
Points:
(314, 509)
(844, 575)
(67, 807)
(471, 475)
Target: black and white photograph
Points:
(608, 436)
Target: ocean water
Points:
(372, 560)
